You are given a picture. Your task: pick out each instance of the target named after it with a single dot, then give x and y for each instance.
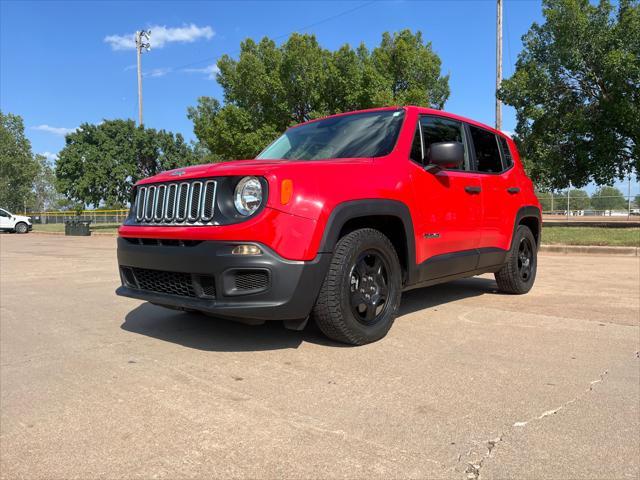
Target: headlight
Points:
(248, 196)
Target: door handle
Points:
(472, 189)
(513, 190)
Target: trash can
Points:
(69, 227)
(78, 228)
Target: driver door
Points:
(448, 201)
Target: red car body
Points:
(457, 222)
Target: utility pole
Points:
(498, 64)
(629, 198)
(142, 42)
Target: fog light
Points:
(246, 250)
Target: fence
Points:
(96, 216)
(584, 206)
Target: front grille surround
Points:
(176, 203)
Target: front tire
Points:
(21, 228)
(519, 273)
(360, 295)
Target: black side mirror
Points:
(445, 155)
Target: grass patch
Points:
(615, 237)
(59, 227)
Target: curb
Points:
(590, 250)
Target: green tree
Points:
(44, 194)
(636, 200)
(576, 91)
(100, 163)
(578, 200)
(608, 198)
(18, 168)
(411, 71)
(269, 88)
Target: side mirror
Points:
(445, 155)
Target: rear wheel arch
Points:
(530, 217)
(390, 217)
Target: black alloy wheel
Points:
(519, 271)
(368, 286)
(525, 259)
(360, 295)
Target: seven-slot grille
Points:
(176, 203)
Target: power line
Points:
(315, 24)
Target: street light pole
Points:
(142, 42)
(498, 63)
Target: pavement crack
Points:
(553, 411)
(474, 466)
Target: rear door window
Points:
(486, 149)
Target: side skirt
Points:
(452, 266)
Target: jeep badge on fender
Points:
(333, 221)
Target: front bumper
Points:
(205, 276)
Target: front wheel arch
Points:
(375, 213)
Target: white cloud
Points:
(51, 157)
(62, 131)
(161, 35)
(157, 72)
(209, 71)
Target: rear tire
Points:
(21, 228)
(519, 273)
(360, 295)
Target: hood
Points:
(242, 167)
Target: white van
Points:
(14, 223)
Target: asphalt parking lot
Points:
(468, 384)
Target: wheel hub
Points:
(525, 259)
(368, 287)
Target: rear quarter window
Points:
(507, 159)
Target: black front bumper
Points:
(205, 276)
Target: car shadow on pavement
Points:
(429, 297)
(194, 330)
(201, 332)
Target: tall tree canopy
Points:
(18, 167)
(269, 87)
(100, 163)
(576, 91)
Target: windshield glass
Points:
(368, 134)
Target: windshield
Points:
(368, 134)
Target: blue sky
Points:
(65, 63)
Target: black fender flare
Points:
(528, 212)
(349, 210)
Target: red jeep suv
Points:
(333, 221)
